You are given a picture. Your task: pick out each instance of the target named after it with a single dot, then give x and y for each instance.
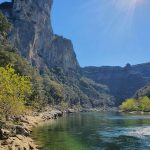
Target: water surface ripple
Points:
(96, 131)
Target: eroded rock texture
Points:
(32, 34)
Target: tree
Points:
(14, 90)
(38, 97)
(141, 104)
(5, 26)
(54, 91)
(144, 104)
(129, 105)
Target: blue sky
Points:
(105, 32)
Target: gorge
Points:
(53, 55)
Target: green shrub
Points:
(141, 104)
(129, 105)
(14, 90)
(144, 104)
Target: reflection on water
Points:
(96, 131)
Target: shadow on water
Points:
(95, 131)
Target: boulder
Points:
(4, 134)
(71, 111)
(56, 113)
(21, 130)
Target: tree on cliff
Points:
(14, 90)
(5, 26)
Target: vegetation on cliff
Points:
(15, 88)
(51, 86)
(53, 57)
(45, 87)
(5, 26)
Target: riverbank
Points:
(135, 112)
(17, 136)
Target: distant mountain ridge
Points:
(123, 82)
(33, 36)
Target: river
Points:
(95, 131)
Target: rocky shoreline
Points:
(17, 137)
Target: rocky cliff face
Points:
(123, 82)
(32, 34)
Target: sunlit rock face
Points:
(123, 82)
(32, 34)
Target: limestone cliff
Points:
(32, 34)
(51, 54)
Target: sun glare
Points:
(126, 5)
(127, 10)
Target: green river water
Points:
(95, 131)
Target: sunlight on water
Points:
(138, 132)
